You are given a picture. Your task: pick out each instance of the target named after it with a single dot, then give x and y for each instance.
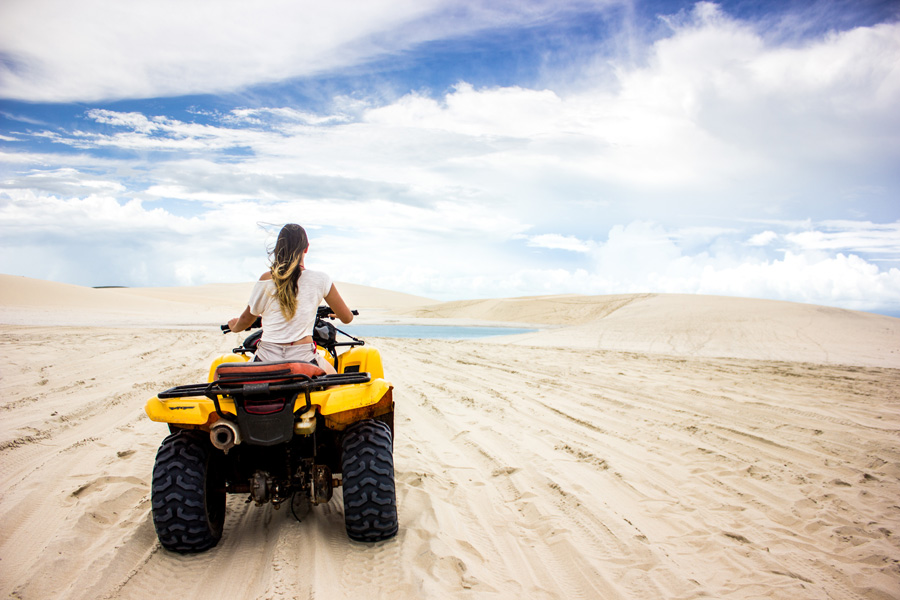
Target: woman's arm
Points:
(247, 318)
(242, 322)
(337, 304)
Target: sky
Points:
(458, 149)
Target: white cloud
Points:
(166, 47)
(842, 280)
(554, 241)
(92, 50)
(264, 117)
(854, 236)
(645, 257)
(763, 238)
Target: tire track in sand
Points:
(521, 472)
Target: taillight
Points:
(263, 406)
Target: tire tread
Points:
(179, 492)
(370, 506)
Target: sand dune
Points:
(685, 325)
(30, 301)
(541, 466)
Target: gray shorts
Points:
(270, 351)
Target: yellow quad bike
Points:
(278, 432)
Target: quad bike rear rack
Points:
(263, 384)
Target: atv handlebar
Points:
(253, 325)
(325, 312)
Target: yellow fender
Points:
(225, 358)
(362, 359)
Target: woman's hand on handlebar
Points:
(242, 322)
(324, 312)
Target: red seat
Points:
(259, 373)
(265, 372)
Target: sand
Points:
(636, 447)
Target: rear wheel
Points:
(188, 493)
(370, 501)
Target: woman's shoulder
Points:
(264, 284)
(315, 279)
(314, 273)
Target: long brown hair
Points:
(285, 266)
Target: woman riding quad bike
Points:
(277, 431)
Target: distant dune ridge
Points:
(31, 301)
(690, 325)
(634, 447)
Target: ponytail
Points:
(285, 267)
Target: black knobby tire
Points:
(370, 499)
(188, 493)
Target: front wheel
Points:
(370, 500)
(188, 493)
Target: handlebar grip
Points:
(256, 324)
(325, 312)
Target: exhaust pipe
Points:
(224, 435)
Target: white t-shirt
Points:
(313, 286)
